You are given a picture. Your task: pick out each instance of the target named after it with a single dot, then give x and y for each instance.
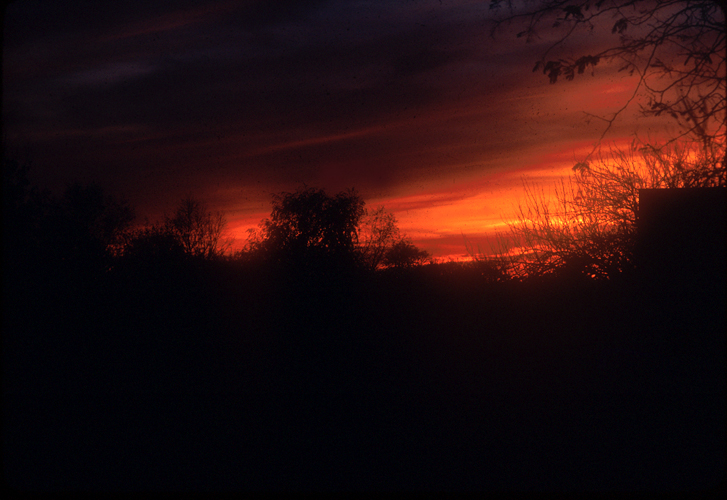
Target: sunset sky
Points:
(412, 103)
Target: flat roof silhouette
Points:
(681, 232)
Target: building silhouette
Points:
(682, 237)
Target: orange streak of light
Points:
(441, 221)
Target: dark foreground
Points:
(422, 381)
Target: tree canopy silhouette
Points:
(309, 227)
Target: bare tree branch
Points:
(677, 47)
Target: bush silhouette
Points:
(153, 245)
(404, 254)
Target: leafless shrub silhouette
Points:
(589, 225)
(377, 233)
(199, 230)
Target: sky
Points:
(415, 104)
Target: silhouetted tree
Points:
(676, 47)
(16, 186)
(27, 224)
(18, 217)
(56, 241)
(377, 233)
(88, 226)
(404, 254)
(310, 228)
(198, 230)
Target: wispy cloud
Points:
(108, 74)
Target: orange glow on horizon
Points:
(442, 221)
(472, 213)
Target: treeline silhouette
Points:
(325, 356)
